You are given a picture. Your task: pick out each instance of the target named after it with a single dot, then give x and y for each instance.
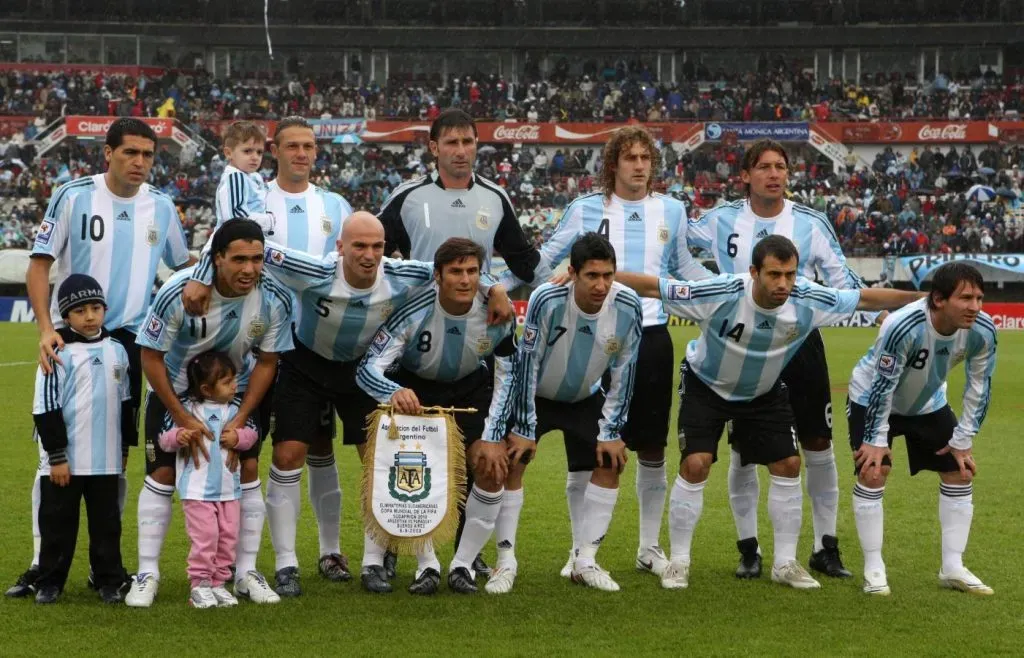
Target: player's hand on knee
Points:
(868, 459)
(405, 401)
(612, 454)
(499, 306)
(60, 474)
(520, 449)
(964, 461)
(49, 342)
(196, 298)
(491, 460)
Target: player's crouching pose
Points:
(439, 340)
(899, 388)
(751, 326)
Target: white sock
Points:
(744, 494)
(250, 530)
(685, 505)
(956, 509)
(154, 517)
(785, 506)
(427, 559)
(122, 492)
(325, 497)
(373, 553)
(575, 489)
(505, 527)
(598, 506)
(482, 509)
(284, 501)
(868, 515)
(823, 488)
(650, 495)
(36, 537)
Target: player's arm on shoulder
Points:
(885, 299)
(980, 366)
(697, 300)
(410, 273)
(296, 269)
(700, 232)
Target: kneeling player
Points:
(899, 388)
(439, 340)
(573, 335)
(751, 325)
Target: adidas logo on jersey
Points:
(765, 325)
(214, 418)
(762, 234)
(232, 315)
(454, 331)
(357, 303)
(635, 217)
(96, 361)
(458, 204)
(585, 329)
(123, 217)
(296, 209)
(943, 352)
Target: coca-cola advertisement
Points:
(517, 133)
(921, 132)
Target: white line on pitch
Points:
(18, 363)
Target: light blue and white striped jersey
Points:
(233, 325)
(905, 372)
(334, 319)
(435, 345)
(309, 222)
(742, 348)
(212, 480)
(731, 231)
(649, 237)
(564, 352)
(117, 241)
(243, 195)
(88, 389)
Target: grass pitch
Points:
(547, 615)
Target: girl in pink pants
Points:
(210, 490)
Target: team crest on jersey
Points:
(886, 363)
(410, 475)
(44, 233)
(677, 291)
(325, 224)
(152, 235)
(483, 219)
(118, 370)
(274, 256)
(385, 310)
(792, 334)
(380, 341)
(612, 345)
(483, 345)
(155, 328)
(958, 356)
(663, 234)
(257, 328)
(529, 337)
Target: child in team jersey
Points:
(208, 484)
(242, 192)
(82, 413)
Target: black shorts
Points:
(157, 457)
(925, 434)
(703, 415)
(473, 390)
(578, 423)
(309, 389)
(646, 426)
(127, 339)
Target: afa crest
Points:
(663, 234)
(152, 235)
(325, 224)
(612, 345)
(409, 475)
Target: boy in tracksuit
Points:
(82, 413)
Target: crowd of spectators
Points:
(611, 91)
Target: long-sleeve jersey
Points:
(422, 214)
(565, 352)
(649, 237)
(243, 195)
(905, 372)
(79, 408)
(742, 347)
(438, 346)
